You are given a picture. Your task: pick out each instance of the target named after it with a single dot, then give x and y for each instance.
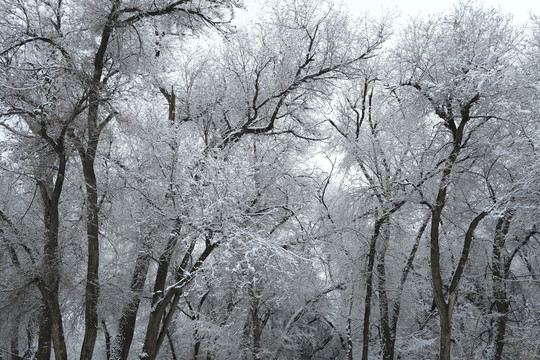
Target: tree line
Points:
(310, 185)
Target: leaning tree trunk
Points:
(378, 227)
(392, 332)
(126, 326)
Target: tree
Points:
(210, 228)
(274, 87)
(50, 34)
(458, 64)
(382, 179)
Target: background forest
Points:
(306, 186)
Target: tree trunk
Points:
(446, 308)
(44, 338)
(94, 128)
(60, 351)
(387, 338)
(126, 326)
(379, 223)
(159, 319)
(369, 290)
(92, 278)
(107, 340)
(159, 302)
(49, 283)
(349, 344)
(49, 287)
(497, 342)
(254, 320)
(499, 288)
(445, 321)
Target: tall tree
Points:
(458, 64)
(97, 69)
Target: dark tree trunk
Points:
(107, 340)
(44, 338)
(159, 302)
(369, 289)
(499, 288)
(160, 319)
(445, 322)
(94, 129)
(48, 284)
(379, 223)
(445, 111)
(92, 278)
(387, 338)
(349, 340)
(500, 267)
(126, 326)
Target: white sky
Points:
(520, 9)
(410, 8)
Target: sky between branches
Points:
(520, 9)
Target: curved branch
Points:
(44, 39)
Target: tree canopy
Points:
(306, 185)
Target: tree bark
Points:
(387, 338)
(349, 343)
(369, 288)
(445, 322)
(126, 325)
(92, 277)
(94, 128)
(445, 112)
(379, 223)
(499, 290)
(254, 321)
(44, 338)
(48, 284)
(159, 302)
(160, 319)
(500, 271)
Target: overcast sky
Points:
(521, 9)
